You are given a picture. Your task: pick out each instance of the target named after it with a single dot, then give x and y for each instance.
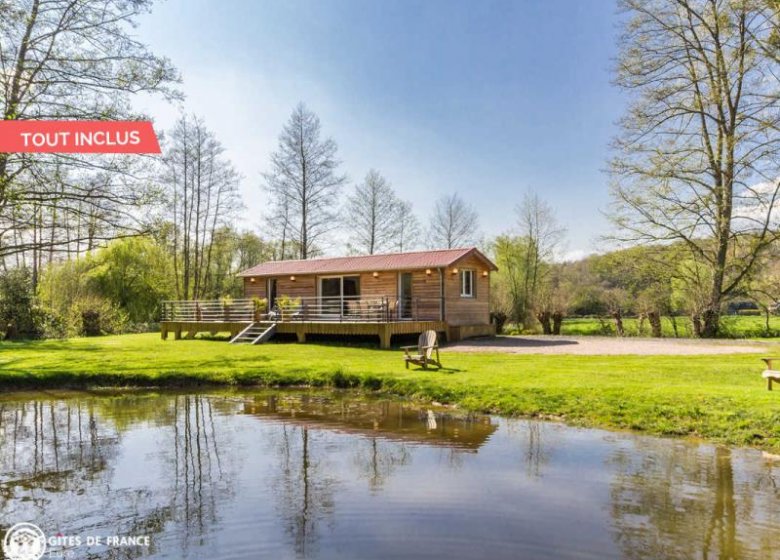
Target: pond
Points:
(294, 474)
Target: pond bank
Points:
(720, 398)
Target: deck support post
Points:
(384, 336)
(164, 332)
(177, 333)
(300, 332)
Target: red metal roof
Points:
(439, 258)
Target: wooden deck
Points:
(384, 330)
(378, 316)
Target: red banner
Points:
(84, 137)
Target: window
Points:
(466, 283)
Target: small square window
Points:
(466, 283)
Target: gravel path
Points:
(598, 345)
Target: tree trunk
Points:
(11, 332)
(618, 317)
(544, 317)
(697, 326)
(654, 318)
(710, 323)
(557, 321)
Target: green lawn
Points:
(732, 326)
(721, 398)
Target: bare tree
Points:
(454, 223)
(278, 226)
(371, 215)
(542, 234)
(699, 157)
(304, 183)
(63, 59)
(202, 197)
(408, 232)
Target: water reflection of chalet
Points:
(385, 419)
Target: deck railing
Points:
(216, 311)
(374, 309)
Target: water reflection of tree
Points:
(304, 487)
(199, 481)
(48, 448)
(536, 445)
(684, 501)
(376, 459)
(57, 459)
(56, 462)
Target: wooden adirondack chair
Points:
(770, 373)
(426, 345)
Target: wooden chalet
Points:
(446, 290)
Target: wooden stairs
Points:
(256, 333)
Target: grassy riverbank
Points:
(721, 398)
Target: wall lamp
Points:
(375, 275)
(485, 273)
(292, 278)
(252, 280)
(454, 270)
(428, 271)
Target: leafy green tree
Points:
(231, 252)
(63, 283)
(525, 280)
(637, 281)
(134, 273)
(508, 283)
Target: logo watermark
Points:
(24, 541)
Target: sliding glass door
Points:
(336, 292)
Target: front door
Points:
(330, 295)
(271, 293)
(405, 295)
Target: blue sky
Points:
(487, 99)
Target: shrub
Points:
(51, 324)
(94, 316)
(261, 304)
(20, 314)
(287, 303)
